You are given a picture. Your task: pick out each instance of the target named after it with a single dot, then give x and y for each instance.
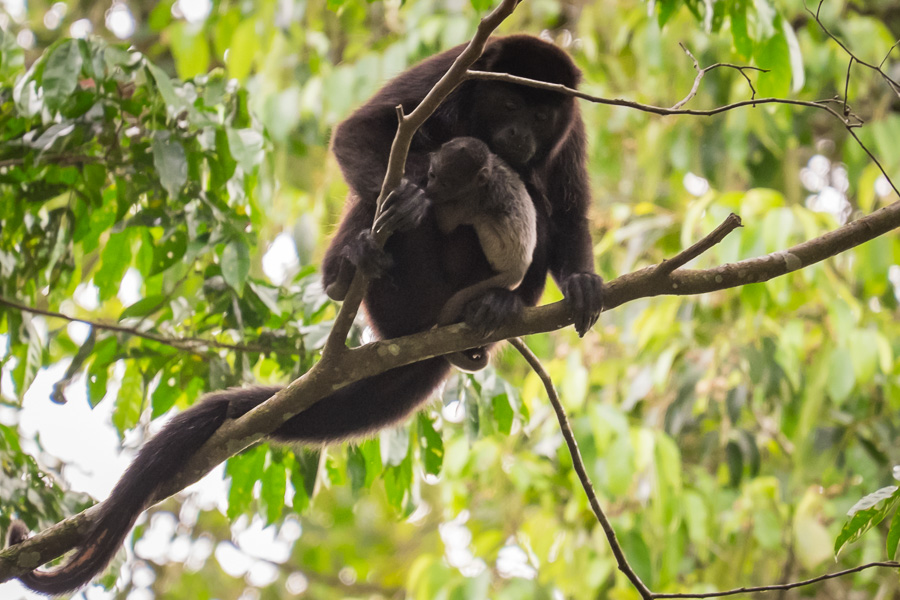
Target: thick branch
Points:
(380, 356)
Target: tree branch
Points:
(782, 586)
(377, 357)
(894, 85)
(194, 345)
(341, 366)
(580, 470)
(702, 72)
(731, 223)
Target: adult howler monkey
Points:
(538, 133)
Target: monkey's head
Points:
(522, 125)
(457, 168)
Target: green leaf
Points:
(129, 400)
(168, 251)
(431, 444)
(170, 162)
(166, 393)
(503, 413)
(735, 460)
(893, 536)
(190, 49)
(274, 485)
(246, 147)
(363, 464)
(144, 306)
(61, 73)
(867, 513)
(236, 264)
(244, 470)
(114, 261)
(174, 102)
(864, 354)
(473, 417)
(303, 477)
(664, 11)
(356, 468)
(775, 56)
(244, 47)
(30, 359)
(397, 482)
(742, 42)
(841, 375)
(58, 394)
(394, 445)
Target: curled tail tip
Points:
(88, 561)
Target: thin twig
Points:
(850, 121)
(648, 108)
(702, 72)
(578, 465)
(847, 86)
(782, 586)
(894, 85)
(888, 55)
(193, 344)
(718, 234)
(58, 159)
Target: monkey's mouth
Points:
(516, 152)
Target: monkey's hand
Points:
(361, 253)
(488, 313)
(403, 209)
(584, 293)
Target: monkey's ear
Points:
(483, 176)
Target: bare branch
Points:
(701, 72)
(194, 345)
(377, 357)
(782, 586)
(895, 86)
(580, 470)
(888, 55)
(849, 120)
(731, 223)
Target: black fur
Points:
(543, 139)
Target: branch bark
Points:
(383, 355)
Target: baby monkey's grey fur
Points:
(470, 185)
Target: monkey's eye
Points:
(431, 174)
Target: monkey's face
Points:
(454, 169)
(517, 124)
(445, 184)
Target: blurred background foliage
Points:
(175, 180)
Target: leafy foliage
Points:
(729, 433)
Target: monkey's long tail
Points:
(354, 410)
